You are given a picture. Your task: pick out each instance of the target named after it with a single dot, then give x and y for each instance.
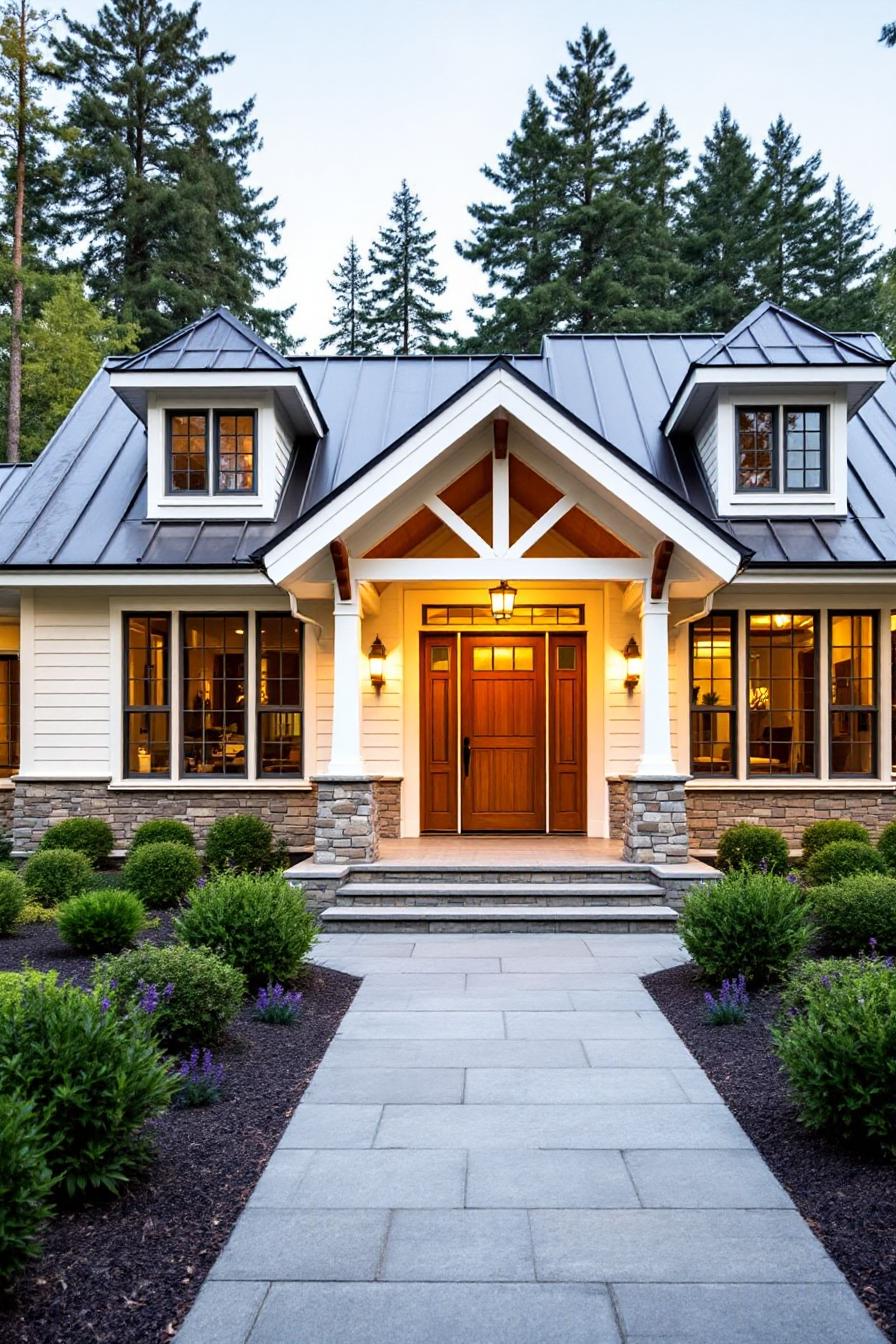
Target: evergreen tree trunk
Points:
(14, 412)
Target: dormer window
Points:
(235, 452)
(781, 448)
(188, 452)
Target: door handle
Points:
(468, 752)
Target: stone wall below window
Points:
(37, 804)
(712, 811)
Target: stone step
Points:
(504, 871)
(455, 894)
(499, 919)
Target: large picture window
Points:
(147, 694)
(782, 693)
(9, 714)
(713, 695)
(854, 698)
(279, 695)
(213, 710)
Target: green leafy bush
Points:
(5, 845)
(163, 828)
(241, 844)
(841, 859)
(206, 992)
(12, 983)
(25, 1185)
(261, 925)
(95, 1077)
(747, 923)
(822, 833)
(54, 875)
(161, 873)
(90, 836)
(12, 900)
(757, 847)
(886, 844)
(836, 1040)
(856, 909)
(101, 921)
(32, 913)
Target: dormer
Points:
(767, 408)
(223, 411)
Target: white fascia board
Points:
(582, 568)
(772, 375)
(99, 577)
(830, 576)
(502, 391)
(188, 380)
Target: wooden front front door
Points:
(502, 730)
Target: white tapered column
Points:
(345, 749)
(656, 733)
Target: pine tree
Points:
(351, 320)
(599, 227)
(158, 177)
(514, 241)
(793, 225)
(721, 238)
(656, 274)
(402, 260)
(848, 284)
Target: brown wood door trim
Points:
(438, 732)
(567, 735)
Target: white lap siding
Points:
(66, 684)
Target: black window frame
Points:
(779, 484)
(793, 409)
(817, 708)
(184, 619)
(755, 409)
(261, 710)
(872, 710)
(219, 413)
(170, 487)
(732, 709)
(129, 710)
(13, 741)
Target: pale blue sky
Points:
(352, 95)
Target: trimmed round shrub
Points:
(95, 1077)
(54, 875)
(856, 909)
(886, 845)
(12, 900)
(842, 859)
(836, 1041)
(822, 833)
(12, 983)
(90, 836)
(25, 1185)
(747, 923)
(161, 873)
(757, 847)
(101, 921)
(205, 997)
(241, 844)
(260, 925)
(163, 828)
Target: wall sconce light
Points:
(377, 659)
(632, 655)
(502, 598)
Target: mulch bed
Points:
(848, 1199)
(126, 1271)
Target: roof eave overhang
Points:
(289, 385)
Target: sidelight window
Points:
(279, 695)
(9, 714)
(147, 694)
(782, 693)
(713, 695)
(854, 696)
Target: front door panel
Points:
(502, 733)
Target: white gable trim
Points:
(763, 375)
(585, 457)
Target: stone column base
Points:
(655, 819)
(346, 827)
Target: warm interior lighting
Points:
(502, 598)
(760, 697)
(377, 659)
(632, 655)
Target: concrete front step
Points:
(499, 919)
(456, 894)
(393, 873)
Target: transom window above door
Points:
(193, 468)
(781, 448)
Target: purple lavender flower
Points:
(149, 997)
(105, 1004)
(200, 1079)
(792, 879)
(202, 881)
(731, 1004)
(168, 990)
(826, 981)
(763, 865)
(278, 1005)
(872, 943)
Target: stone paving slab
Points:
(507, 1143)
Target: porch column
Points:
(656, 734)
(345, 747)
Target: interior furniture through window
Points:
(782, 693)
(213, 709)
(147, 693)
(279, 643)
(714, 695)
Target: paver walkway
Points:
(507, 1143)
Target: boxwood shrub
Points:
(747, 923)
(12, 983)
(836, 1040)
(25, 1185)
(886, 844)
(241, 844)
(259, 924)
(95, 1077)
(161, 872)
(205, 997)
(101, 921)
(842, 858)
(12, 900)
(90, 836)
(822, 833)
(757, 847)
(856, 909)
(54, 875)
(163, 828)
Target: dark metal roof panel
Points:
(218, 340)
(771, 335)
